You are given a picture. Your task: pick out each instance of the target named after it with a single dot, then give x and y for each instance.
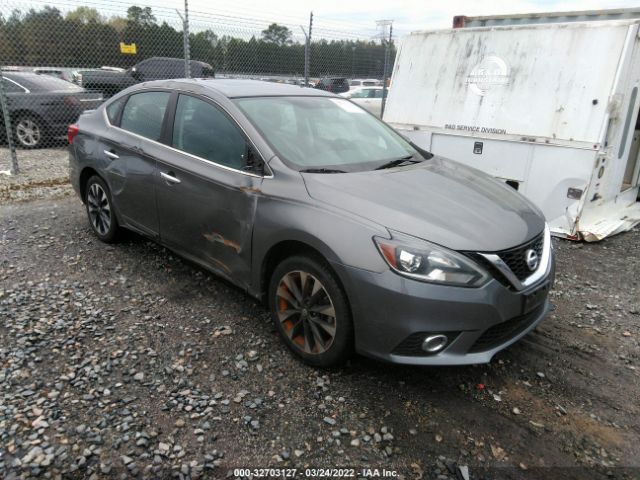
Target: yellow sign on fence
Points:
(128, 49)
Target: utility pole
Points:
(387, 41)
(185, 39)
(353, 62)
(7, 125)
(307, 49)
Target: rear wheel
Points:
(311, 311)
(29, 131)
(100, 210)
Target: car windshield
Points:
(316, 133)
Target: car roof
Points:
(17, 74)
(174, 59)
(236, 87)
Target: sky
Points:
(408, 15)
(332, 18)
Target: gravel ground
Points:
(125, 360)
(44, 173)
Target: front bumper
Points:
(393, 314)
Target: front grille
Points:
(505, 331)
(412, 345)
(515, 257)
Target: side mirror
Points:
(133, 71)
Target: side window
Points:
(144, 112)
(151, 68)
(201, 129)
(378, 93)
(113, 110)
(175, 69)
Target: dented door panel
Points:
(208, 214)
(130, 173)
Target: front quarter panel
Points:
(286, 213)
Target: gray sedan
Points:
(41, 107)
(356, 239)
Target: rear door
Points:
(206, 198)
(138, 120)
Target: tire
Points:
(100, 211)
(308, 305)
(29, 131)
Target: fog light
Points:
(434, 343)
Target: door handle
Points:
(111, 154)
(169, 177)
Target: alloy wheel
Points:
(306, 312)
(28, 132)
(99, 209)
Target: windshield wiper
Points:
(397, 162)
(322, 170)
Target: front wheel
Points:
(100, 210)
(311, 311)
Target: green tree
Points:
(142, 17)
(278, 34)
(118, 23)
(85, 15)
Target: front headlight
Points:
(424, 261)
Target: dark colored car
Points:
(352, 235)
(61, 73)
(333, 84)
(41, 107)
(110, 82)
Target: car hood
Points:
(438, 200)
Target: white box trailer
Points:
(551, 109)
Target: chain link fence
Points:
(60, 59)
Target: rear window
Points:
(10, 87)
(36, 82)
(113, 110)
(144, 112)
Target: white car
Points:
(367, 97)
(365, 82)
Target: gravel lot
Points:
(125, 360)
(44, 173)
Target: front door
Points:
(206, 198)
(130, 165)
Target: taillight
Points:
(72, 131)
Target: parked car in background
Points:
(367, 97)
(109, 82)
(61, 73)
(365, 82)
(354, 237)
(41, 107)
(333, 84)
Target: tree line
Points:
(85, 38)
